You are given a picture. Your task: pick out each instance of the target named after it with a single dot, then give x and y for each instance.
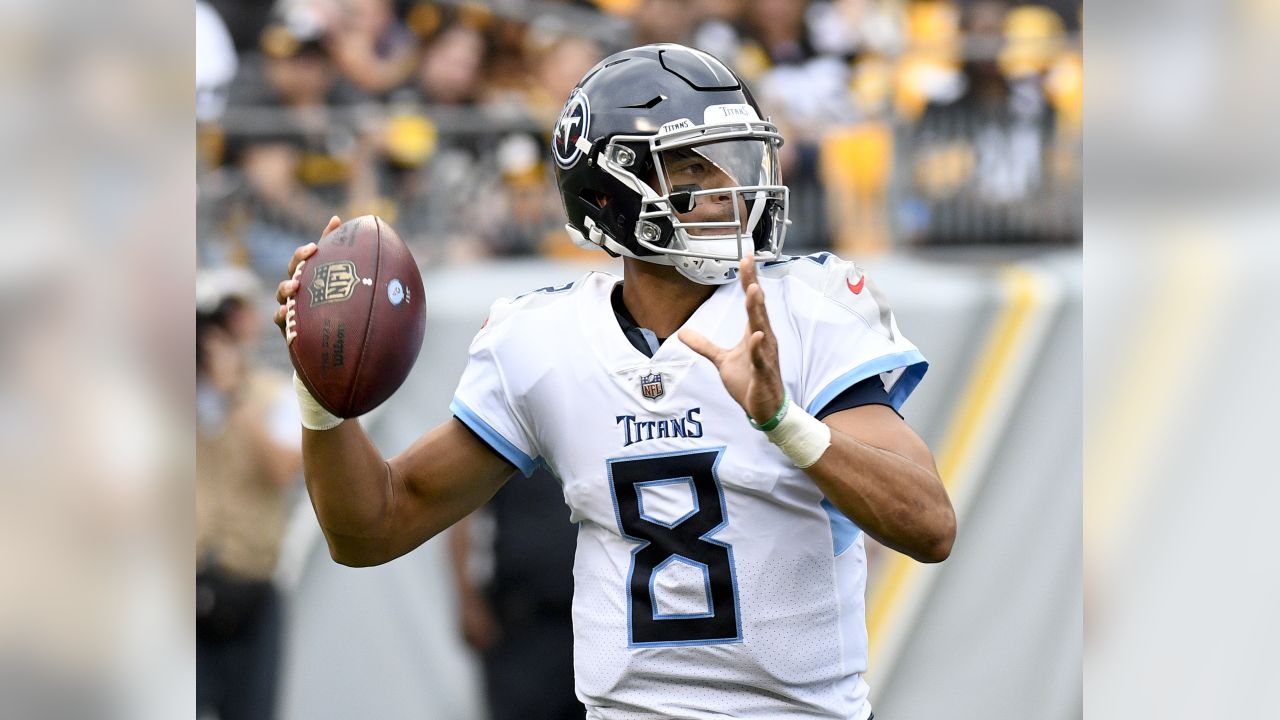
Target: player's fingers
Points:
(300, 256)
(747, 272)
(759, 351)
(286, 289)
(295, 282)
(333, 224)
(698, 343)
(757, 315)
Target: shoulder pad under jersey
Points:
(838, 281)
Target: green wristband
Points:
(772, 422)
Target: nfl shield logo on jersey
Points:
(651, 386)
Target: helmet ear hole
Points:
(597, 199)
(585, 203)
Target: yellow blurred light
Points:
(1064, 86)
(942, 171)
(752, 61)
(918, 74)
(278, 42)
(858, 156)
(211, 143)
(423, 19)
(1033, 38)
(872, 82)
(932, 23)
(410, 140)
(321, 168)
(619, 7)
(533, 176)
(475, 15)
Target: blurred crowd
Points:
(907, 121)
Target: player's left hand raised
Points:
(749, 370)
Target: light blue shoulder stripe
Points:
(911, 359)
(495, 439)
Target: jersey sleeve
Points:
(850, 335)
(484, 403)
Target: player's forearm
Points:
(894, 499)
(347, 479)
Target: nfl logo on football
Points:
(651, 386)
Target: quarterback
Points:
(723, 418)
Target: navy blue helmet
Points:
(662, 154)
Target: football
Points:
(359, 315)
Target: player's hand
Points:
(749, 370)
(287, 289)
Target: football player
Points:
(723, 419)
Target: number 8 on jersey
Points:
(685, 539)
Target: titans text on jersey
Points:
(636, 431)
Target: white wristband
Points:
(314, 416)
(801, 436)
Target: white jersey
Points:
(712, 578)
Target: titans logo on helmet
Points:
(574, 123)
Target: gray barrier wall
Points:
(995, 632)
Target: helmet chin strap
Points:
(597, 238)
(704, 271)
(699, 270)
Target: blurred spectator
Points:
(247, 450)
(525, 215)
(664, 21)
(436, 184)
(1035, 55)
(778, 27)
(370, 46)
(929, 72)
(226, 296)
(980, 163)
(757, 36)
(513, 564)
(452, 66)
(495, 157)
(309, 156)
(508, 61)
(559, 62)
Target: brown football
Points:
(359, 317)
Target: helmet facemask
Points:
(711, 195)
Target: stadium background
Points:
(938, 143)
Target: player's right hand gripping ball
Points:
(358, 317)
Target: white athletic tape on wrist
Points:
(314, 416)
(801, 436)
